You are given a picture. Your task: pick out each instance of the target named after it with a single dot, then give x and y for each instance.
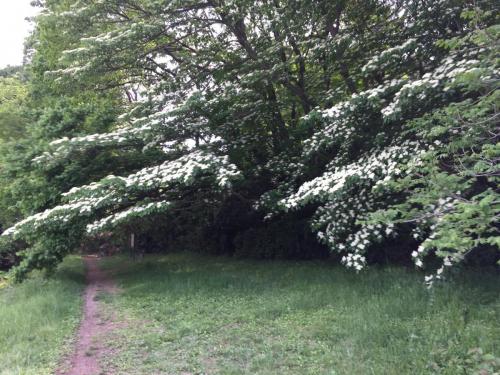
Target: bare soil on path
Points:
(90, 347)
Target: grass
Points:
(37, 318)
(192, 314)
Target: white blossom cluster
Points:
(359, 241)
(58, 215)
(286, 173)
(431, 219)
(339, 214)
(356, 261)
(87, 57)
(377, 166)
(183, 170)
(430, 87)
(338, 226)
(440, 272)
(343, 118)
(126, 215)
(77, 9)
(113, 191)
(150, 124)
(64, 147)
(348, 194)
(343, 207)
(391, 56)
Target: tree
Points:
(13, 93)
(312, 107)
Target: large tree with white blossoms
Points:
(356, 121)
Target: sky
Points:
(13, 29)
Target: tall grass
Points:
(37, 318)
(209, 315)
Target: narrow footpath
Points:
(90, 347)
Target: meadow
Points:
(187, 313)
(193, 314)
(38, 319)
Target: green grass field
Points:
(37, 318)
(193, 314)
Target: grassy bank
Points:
(210, 315)
(37, 318)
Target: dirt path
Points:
(90, 345)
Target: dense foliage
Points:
(365, 122)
